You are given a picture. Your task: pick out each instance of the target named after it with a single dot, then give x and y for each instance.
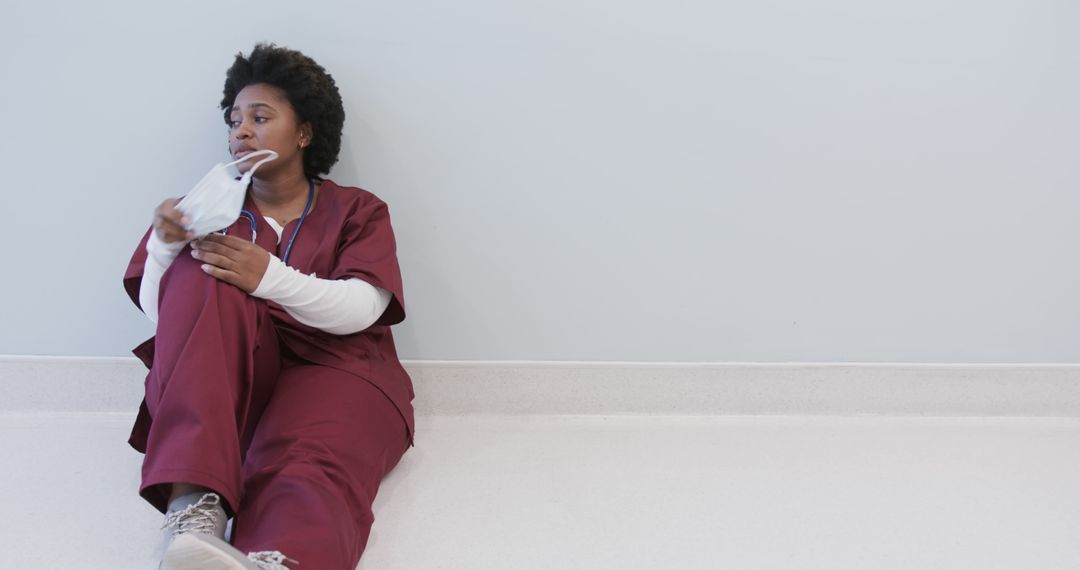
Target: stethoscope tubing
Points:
(288, 248)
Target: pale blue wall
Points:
(597, 179)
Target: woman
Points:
(275, 394)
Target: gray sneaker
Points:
(205, 516)
(270, 560)
(199, 551)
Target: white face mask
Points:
(215, 202)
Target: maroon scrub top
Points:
(346, 234)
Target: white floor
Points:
(597, 492)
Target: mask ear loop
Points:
(247, 175)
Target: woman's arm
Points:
(168, 222)
(336, 306)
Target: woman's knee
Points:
(185, 283)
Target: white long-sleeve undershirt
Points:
(159, 256)
(336, 306)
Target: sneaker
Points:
(201, 551)
(270, 560)
(205, 516)
(198, 551)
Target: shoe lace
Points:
(270, 560)
(201, 516)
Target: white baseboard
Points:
(108, 384)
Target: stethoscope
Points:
(288, 248)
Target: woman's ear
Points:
(306, 133)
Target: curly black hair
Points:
(310, 90)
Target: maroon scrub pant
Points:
(296, 450)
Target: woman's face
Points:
(263, 119)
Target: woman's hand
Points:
(170, 224)
(232, 260)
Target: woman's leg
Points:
(319, 453)
(216, 358)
